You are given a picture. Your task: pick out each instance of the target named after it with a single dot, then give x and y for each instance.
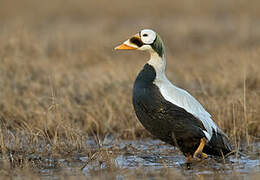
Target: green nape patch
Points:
(158, 46)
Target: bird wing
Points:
(184, 100)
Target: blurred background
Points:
(59, 74)
(66, 95)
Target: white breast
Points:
(184, 100)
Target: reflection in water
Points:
(154, 156)
(147, 158)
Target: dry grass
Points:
(60, 79)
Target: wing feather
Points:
(183, 99)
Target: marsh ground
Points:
(61, 83)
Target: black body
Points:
(168, 122)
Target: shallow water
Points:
(154, 156)
(150, 159)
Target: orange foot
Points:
(198, 155)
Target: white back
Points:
(180, 97)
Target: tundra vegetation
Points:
(62, 85)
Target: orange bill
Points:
(124, 46)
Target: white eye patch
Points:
(148, 36)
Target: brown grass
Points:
(60, 79)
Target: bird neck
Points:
(158, 62)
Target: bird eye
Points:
(145, 35)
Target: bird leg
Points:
(188, 161)
(198, 153)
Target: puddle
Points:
(150, 159)
(155, 156)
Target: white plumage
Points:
(180, 97)
(147, 84)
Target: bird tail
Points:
(219, 144)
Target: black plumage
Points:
(168, 122)
(168, 112)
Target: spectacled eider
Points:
(168, 112)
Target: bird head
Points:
(145, 40)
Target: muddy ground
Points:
(63, 89)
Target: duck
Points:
(168, 112)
